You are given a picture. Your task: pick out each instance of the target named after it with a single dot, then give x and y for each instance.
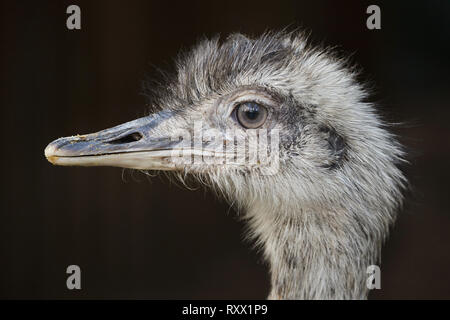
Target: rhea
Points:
(323, 212)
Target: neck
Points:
(315, 254)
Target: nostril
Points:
(132, 137)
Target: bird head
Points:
(249, 114)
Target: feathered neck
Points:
(320, 254)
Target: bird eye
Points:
(251, 115)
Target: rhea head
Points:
(336, 172)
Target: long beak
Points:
(138, 144)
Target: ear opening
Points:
(336, 145)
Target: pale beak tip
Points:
(49, 152)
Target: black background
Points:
(138, 239)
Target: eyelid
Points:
(269, 100)
(252, 99)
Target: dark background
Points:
(138, 239)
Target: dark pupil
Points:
(251, 111)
